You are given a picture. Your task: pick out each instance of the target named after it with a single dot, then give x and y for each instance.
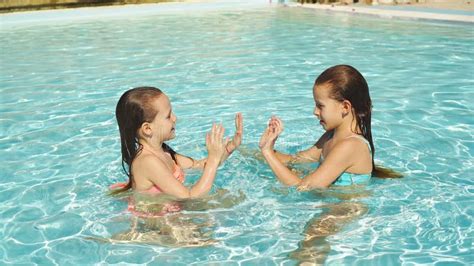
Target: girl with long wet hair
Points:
(346, 150)
(146, 121)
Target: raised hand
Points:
(271, 133)
(237, 139)
(277, 124)
(215, 143)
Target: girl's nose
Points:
(316, 112)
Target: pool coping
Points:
(382, 11)
(390, 13)
(130, 10)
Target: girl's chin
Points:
(172, 135)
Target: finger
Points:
(279, 122)
(216, 134)
(276, 121)
(239, 125)
(237, 118)
(272, 120)
(221, 132)
(213, 133)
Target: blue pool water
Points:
(62, 75)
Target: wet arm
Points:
(204, 184)
(284, 175)
(339, 160)
(310, 155)
(306, 156)
(188, 162)
(171, 186)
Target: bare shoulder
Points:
(352, 148)
(323, 139)
(148, 171)
(147, 162)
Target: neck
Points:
(153, 147)
(347, 128)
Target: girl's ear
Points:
(145, 130)
(346, 108)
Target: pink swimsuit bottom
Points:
(167, 208)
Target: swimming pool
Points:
(61, 78)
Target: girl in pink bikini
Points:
(146, 121)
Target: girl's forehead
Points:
(163, 103)
(322, 90)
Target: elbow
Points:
(321, 186)
(298, 183)
(197, 194)
(192, 195)
(304, 185)
(184, 196)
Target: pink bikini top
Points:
(178, 174)
(167, 208)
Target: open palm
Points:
(271, 133)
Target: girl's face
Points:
(327, 110)
(163, 126)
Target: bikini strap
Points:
(363, 139)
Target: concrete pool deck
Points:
(443, 12)
(447, 14)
